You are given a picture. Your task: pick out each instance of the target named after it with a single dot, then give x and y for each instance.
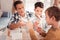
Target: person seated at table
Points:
(18, 19)
(39, 21)
(52, 18)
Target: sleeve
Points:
(11, 20)
(15, 18)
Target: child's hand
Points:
(36, 24)
(40, 30)
(29, 25)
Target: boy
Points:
(53, 18)
(39, 22)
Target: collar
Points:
(38, 17)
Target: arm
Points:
(16, 25)
(32, 34)
(13, 26)
(39, 30)
(31, 31)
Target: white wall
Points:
(0, 4)
(6, 5)
(29, 5)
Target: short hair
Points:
(39, 4)
(54, 11)
(17, 2)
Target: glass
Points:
(16, 34)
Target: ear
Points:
(53, 18)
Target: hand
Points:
(16, 25)
(40, 30)
(29, 25)
(21, 23)
(36, 23)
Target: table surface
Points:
(23, 36)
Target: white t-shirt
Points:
(42, 22)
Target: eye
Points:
(19, 8)
(41, 11)
(59, 2)
(37, 10)
(22, 7)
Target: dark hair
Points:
(16, 2)
(54, 11)
(39, 4)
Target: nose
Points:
(40, 13)
(22, 9)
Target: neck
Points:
(22, 15)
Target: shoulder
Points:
(30, 14)
(15, 14)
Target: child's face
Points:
(20, 9)
(38, 11)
